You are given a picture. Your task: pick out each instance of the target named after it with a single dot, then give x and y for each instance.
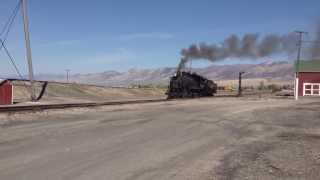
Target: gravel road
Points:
(222, 138)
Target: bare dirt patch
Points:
(292, 152)
(286, 156)
(208, 138)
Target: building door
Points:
(6, 93)
(311, 89)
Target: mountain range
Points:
(271, 70)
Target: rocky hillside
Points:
(277, 71)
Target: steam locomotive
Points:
(190, 85)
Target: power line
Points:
(11, 58)
(9, 22)
(313, 42)
(13, 63)
(5, 32)
(300, 34)
(6, 29)
(313, 32)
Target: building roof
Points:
(2, 81)
(309, 66)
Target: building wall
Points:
(6, 93)
(307, 77)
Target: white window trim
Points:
(311, 94)
(11, 93)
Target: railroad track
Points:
(41, 107)
(73, 105)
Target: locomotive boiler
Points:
(190, 85)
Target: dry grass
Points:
(76, 92)
(253, 82)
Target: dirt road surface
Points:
(222, 138)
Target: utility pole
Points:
(299, 44)
(68, 70)
(240, 84)
(28, 48)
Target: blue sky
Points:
(98, 35)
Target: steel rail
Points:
(41, 107)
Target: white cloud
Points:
(151, 35)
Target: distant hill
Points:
(281, 71)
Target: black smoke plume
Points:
(249, 46)
(315, 44)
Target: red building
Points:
(309, 78)
(6, 92)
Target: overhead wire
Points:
(5, 32)
(8, 25)
(11, 59)
(313, 42)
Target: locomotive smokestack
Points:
(181, 64)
